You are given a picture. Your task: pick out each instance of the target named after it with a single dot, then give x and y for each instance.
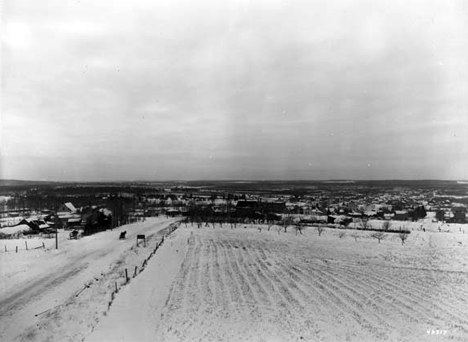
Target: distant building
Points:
(67, 208)
(274, 207)
(247, 209)
(35, 225)
(401, 215)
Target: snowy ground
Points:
(245, 285)
(60, 294)
(429, 224)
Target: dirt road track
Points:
(64, 273)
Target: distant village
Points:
(32, 212)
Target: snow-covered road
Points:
(35, 281)
(135, 313)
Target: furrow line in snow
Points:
(343, 301)
(347, 290)
(240, 275)
(252, 278)
(233, 284)
(206, 286)
(266, 267)
(402, 299)
(224, 297)
(307, 301)
(195, 283)
(410, 292)
(379, 300)
(325, 301)
(295, 316)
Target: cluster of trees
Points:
(417, 213)
(97, 222)
(440, 215)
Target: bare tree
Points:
(378, 235)
(365, 225)
(403, 236)
(298, 229)
(386, 225)
(319, 230)
(286, 222)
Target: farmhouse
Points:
(401, 215)
(34, 224)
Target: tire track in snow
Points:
(177, 298)
(189, 301)
(48, 282)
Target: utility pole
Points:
(56, 238)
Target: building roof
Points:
(70, 206)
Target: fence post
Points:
(43, 245)
(126, 275)
(135, 273)
(26, 243)
(6, 249)
(16, 249)
(116, 287)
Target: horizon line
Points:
(232, 180)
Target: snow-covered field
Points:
(247, 285)
(223, 284)
(60, 294)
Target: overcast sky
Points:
(211, 89)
